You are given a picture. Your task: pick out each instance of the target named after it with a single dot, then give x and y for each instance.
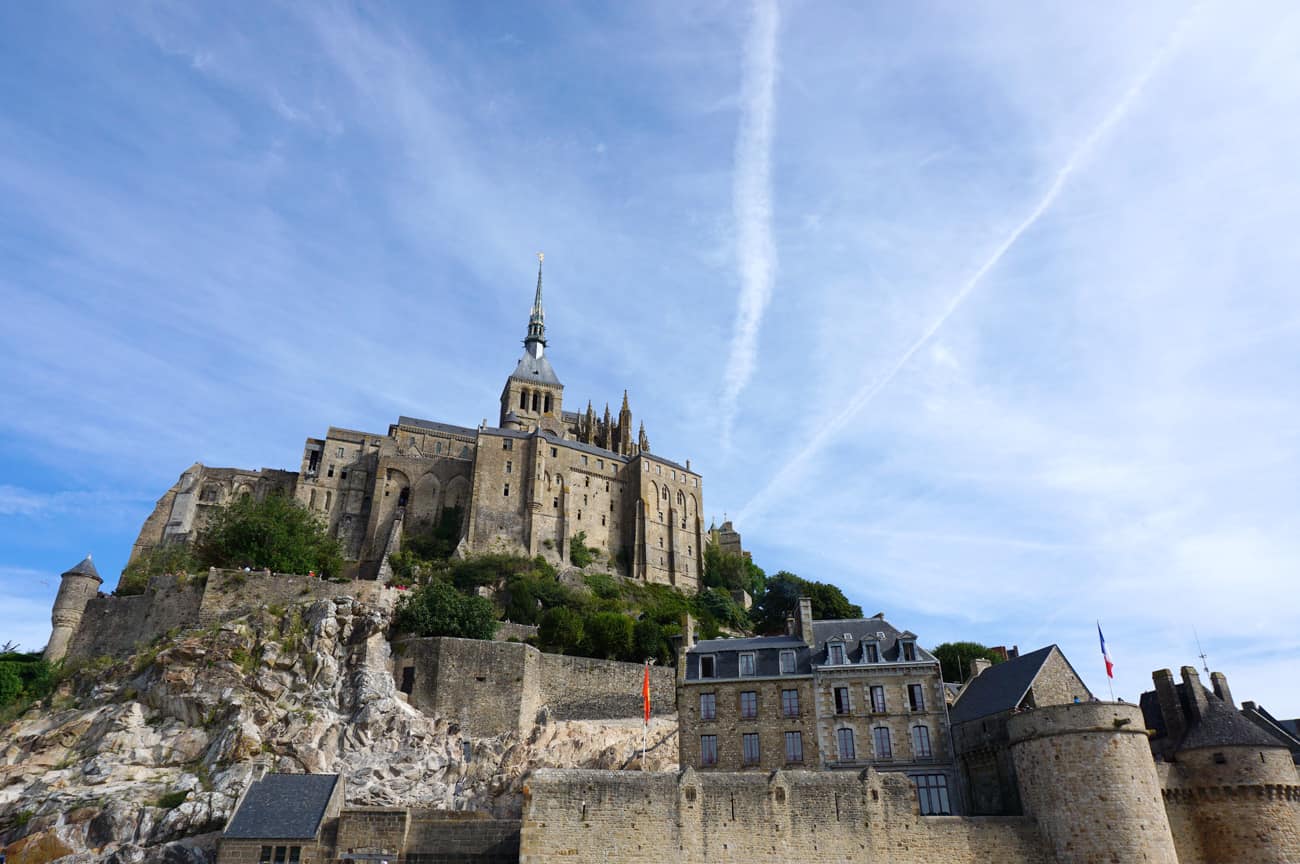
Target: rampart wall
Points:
(784, 816)
(427, 836)
(493, 688)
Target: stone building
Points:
(540, 477)
(282, 819)
(77, 587)
(839, 694)
(984, 705)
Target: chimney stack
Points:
(1219, 682)
(978, 665)
(806, 621)
(1198, 703)
(1170, 707)
(789, 625)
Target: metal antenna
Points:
(1204, 663)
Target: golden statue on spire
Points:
(541, 256)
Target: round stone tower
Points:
(1087, 777)
(79, 585)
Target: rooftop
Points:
(283, 807)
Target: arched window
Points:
(537, 401)
(681, 499)
(523, 400)
(547, 407)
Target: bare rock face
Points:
(142, 761)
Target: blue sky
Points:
(986, 312)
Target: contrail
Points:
(869, 389)
(752, 205)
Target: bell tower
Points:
(533, 395)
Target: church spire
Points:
(535, 342)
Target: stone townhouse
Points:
(540, 477)
(825, 695)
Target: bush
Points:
(171, 800)
(609, 636)
(603, 585)
(580, 554)
(163, 558)
(11, 686)
(276, 533)
(561, 630)
(438, 609)
(428, 540)
(24, 676)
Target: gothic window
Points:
(884, 747)
(932, 794)
(311, 502)
(921, 742)
(523, 400)
(328, 496)
(537, 401)
(681, 499)
(665, 495)
(844, 738)
(547, 405)
(793, 747)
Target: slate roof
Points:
(1220, 726)
(863, 628)
(1000, 687)
(535, 369)
(432, 426)
(283, 807)
(767, 656)
(85, 568)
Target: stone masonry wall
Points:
(439, 837)
(580, 688)
(1057, 683)
(712, 818)
(230, 593)
(117, 625)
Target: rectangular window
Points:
(330, 473)
(281, 854)
(916, 697)
(265, 857)
(748, 704)
(787, 660)
(921, 742)
(708, 668)
(339, 453)
(584, 460)
(510, 467)
(872, 653)
(835, 653)
(708, 706)
(747, 663)
(295, 854)
(343, 475)
(844, 738)
(555, 502)
(932, 794)
(843, 704)
(790, 703)
(507, 444)
(909, 652)
(708, 749)
(554, 452)
(408, 679)
(600, 463)
(878, 699)
(884, 747)
(793, 747)
(505, 492)
(749, 746)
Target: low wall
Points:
(438, 837)
(784, 816)
(231, 593)
(494, 688)
(117, 625)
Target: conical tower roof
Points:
(85, 568)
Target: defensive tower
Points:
(78, 586)
(1086, 775)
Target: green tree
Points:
(434, 541)
(561, 629)
(11, 686)
(163, 558)
(276, 533)
(781, 598)
(731, 572)
(580, 554)
(438, 609)
(609, 636)
(955, 657)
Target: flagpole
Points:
(1105, 655)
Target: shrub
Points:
(561, 630)
(175, 558)
(276, 533)
(609, 636)
(171, 800)
(428, 540)
(580, 554)
(438, 609)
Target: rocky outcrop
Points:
(143, 760)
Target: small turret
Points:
(78, 586)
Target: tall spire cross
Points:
(535, 341)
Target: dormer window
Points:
(707, 666)
(787, 663)
(870, 653)
(835, 653)
(909, 652)
(747, 664)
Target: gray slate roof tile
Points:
(283, 807)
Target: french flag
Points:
(1105, 655)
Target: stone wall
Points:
(493, 688)
(250, 851)
(1086, 775)
(231, 593)
(828, 817)
(440, 837)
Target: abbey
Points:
(531, 484)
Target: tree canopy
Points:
(731, 572)
(781, 598)
(275, 533)
(436, 608)
(955, 658)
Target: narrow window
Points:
(748, 704)
(584, 459)
(790, 703)
(339, 452)
(932, 794)
(708, 706)
(747, 663)
(265, 857)
(607, 487)
(842, 703)
(554, 453)
(586, 481)
(787, 657)
(878, 699)
(536, 401)
(281, 854)
(872, 653)
(547, 406)
(844, 738)
(437, 446)
(555, 502)
(708, 749)
(505, 491)
(584, 499)
(510, 466)
(793, 747)
(602, 519)
(343, 475)
(884, 747)
(295, 854)
(921, 742)
(916, 697)
(408, 679)
(661, 542)
(909, 652)
(523, 400)
(836, 653)
(328, 497)
(311, 502)
(600, 463)
(707, 666)
(330, 473)
(313, 464)
(403, 496)
(749, 745)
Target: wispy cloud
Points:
(756, 258)
(870, 387)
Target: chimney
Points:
(1219, 682)
(978, 665)
(806, 621)
(1198, 703)
(1014, 652)
(1170, 708)
(688, 631)
(789, 625)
